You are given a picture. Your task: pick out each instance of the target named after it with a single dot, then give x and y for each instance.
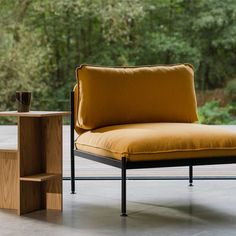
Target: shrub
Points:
(213, 113)
(233, 122)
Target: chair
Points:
(143, 117)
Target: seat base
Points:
(158, 141)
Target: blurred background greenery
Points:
(43, 41)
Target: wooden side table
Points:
(31, 175)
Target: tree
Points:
(42, 42)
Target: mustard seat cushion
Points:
(158, 141)
(111, 96)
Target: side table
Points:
(31, 175)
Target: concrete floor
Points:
(154, 208)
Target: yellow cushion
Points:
(158, 141)
(110, 96)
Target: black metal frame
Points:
(124, 164)
(72, 140)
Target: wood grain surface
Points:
(8, 179)
(40, 159)
(39, 177)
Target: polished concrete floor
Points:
(161, 207)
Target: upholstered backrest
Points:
(109, 96)
(77, 127)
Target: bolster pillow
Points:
(111, 96)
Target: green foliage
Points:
(213, 113)
(42, 42)
(233, 122)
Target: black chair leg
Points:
(123, 187)
(72, 138)
(190, 176)
(72, 174)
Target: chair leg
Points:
(72, 174)
(123, 187)
(72, 138)
(190, 176)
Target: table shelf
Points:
(7, 150)
(39, 177)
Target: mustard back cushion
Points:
(111, 96)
